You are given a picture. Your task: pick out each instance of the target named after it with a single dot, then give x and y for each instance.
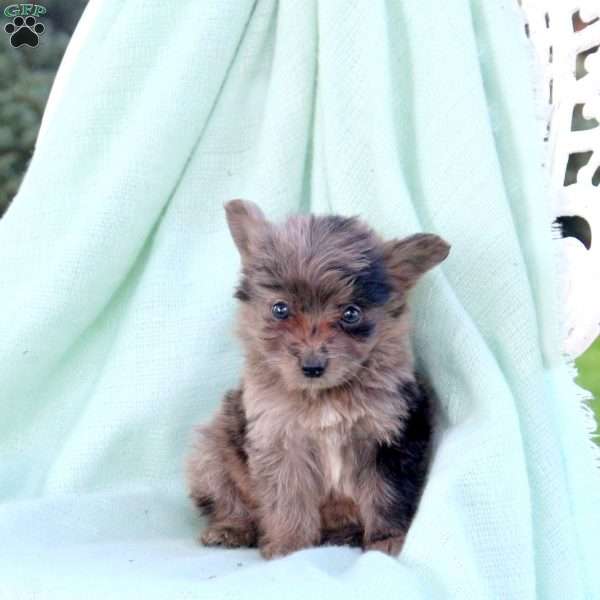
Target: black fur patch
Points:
(404, 462)
(361, 331)
(371, 285)
(234, 410)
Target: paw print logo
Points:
(24, 31)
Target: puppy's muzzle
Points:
(314, 366)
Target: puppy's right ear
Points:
(246, 222)
(409, 258)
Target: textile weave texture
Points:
(117, 272)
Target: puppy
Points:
(327, 439)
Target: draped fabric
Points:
(117, 272)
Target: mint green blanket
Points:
(117, 272)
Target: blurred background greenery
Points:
(588, 368)
(26, 75)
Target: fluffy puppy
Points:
(327, 439)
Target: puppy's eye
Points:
(280, 310)
(351, 314)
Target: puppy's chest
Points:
(334, 457)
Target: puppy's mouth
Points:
(315, 384)
(327, 378)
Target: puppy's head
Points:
(320, 293)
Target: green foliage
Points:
(26, 75)
(63, 14)
(588, 367)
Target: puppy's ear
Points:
(409, 258)
(246, 222)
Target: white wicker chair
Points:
(566, 36)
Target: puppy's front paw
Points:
(391, 545)
(228, 537)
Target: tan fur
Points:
(290, 461)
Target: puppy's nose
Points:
(313, 371)
(313, 367)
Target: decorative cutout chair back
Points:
(566, 40)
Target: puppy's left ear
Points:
(409, 258)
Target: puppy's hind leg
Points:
(219, 481)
